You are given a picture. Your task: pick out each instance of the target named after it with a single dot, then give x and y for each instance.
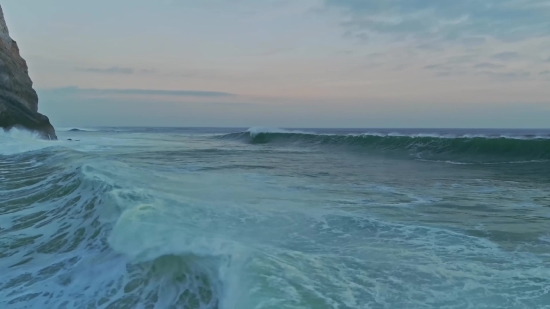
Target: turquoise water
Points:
(270, 218)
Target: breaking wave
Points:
(66, 224)
(479, 148)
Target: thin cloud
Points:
(375, 55)
(433, 66)
(506, 75)
(488, 65)
(462, 59)
(111, 70)
(271, 52)
(344, 52)
(506, 56)
(466, 21)
(440, 66)
(444, 74)
(138, 92)
(447, 73)
(474, 41)
(360, 36)
(116, 70)
(400, 67)
(429, 47)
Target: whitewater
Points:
(239, 218)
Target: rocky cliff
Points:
(18, 100)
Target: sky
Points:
(283, 63)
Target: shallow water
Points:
(268, 218)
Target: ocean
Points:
(242, 218)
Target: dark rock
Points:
(18, 100)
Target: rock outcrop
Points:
(18, 100)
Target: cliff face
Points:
(18, 100)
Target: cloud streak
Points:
(468, 20)
(116, 70)
(136, 92)
(111, 70)
(488, 65)
(506, 56)
(433, 66)
(506, 75)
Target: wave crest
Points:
(476, 149)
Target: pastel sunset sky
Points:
(282, 63)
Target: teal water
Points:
(269, 218)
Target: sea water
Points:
(271, 218)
